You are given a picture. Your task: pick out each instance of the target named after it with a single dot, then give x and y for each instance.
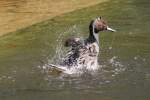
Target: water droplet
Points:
(135, 58)
(110, 48)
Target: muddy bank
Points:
(17, 14)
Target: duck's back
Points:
(83, 56)
(88, 56)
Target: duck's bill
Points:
(110, 29)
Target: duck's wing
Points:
(73, 42)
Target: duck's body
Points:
(88, 56)
(84, 54)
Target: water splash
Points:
(61, 51)
(60, 55)
(118, 66)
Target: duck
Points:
(83, 54)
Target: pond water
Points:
(124, 56)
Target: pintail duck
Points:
(84, 54)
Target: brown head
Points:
(98, 25)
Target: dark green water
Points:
(125, 56)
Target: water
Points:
(124, 56)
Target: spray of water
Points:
(61, 54)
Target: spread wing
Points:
(73, 42)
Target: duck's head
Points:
(96, 26)
(100, 25)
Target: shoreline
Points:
(17, 15)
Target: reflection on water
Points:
(124, 56)
(17, 14)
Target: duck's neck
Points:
(93, 36)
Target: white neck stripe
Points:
(96, 35)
